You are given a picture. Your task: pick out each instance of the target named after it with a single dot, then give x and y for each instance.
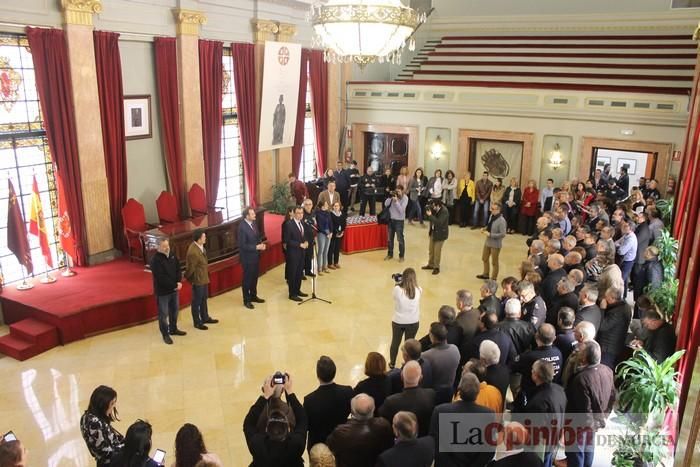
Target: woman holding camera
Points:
(406, 311)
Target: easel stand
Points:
(314, 267)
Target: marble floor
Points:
(210, 378)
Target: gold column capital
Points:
(80, 11)
(286, 31)
(188, 21)
(264, 29)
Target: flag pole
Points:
(48, 278)
(24, 285)
(67, 272)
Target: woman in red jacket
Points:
(528, 208)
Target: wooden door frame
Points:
(358, 142)
(527, 140)
(664, 153)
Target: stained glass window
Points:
(24, 152)
(231, 194)
(307, 171)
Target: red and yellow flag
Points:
(37, 226)
(65, 230)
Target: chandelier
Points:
(364, 31)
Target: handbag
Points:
(384, 216)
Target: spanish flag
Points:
(37, 226)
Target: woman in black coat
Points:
(511, 204)
(338, 220)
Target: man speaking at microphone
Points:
(250, 245)
(296, 250)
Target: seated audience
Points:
(660, 341)
(411, 351)
(137, 446)
(534, 310)
(489, 303)
(408, 450)
(548, 401)
(360, 441)
(497, 374)
(279, 444)
(489, 396)
(190, 448)
(12, 454)
(489, 331)
(101, 438)
(444, 360)
(590, 392)
(617, 315)
(329, 405)
(468, 391)
(520, 332)
(544, 338)
(565, 332)
(583, 332)
(377, 383)
(321, 456)
(420, 401)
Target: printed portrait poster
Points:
(280, 93)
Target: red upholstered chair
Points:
(134, 219)
(166, 204)
(198, 202)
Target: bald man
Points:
(556, 271)
(413, 398)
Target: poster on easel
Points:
(280, 93)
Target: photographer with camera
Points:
(281, 441)
(406, 296)
(396, 203)
(439, 219)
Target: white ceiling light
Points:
(364, 31)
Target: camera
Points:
(279, 378)
(393, 193)
(397, 276)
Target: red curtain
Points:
(166, 79)
(301, 113)
(53, 83)
(211, 72)
(318, 74)
(109, 83)
(244, 78)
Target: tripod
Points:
(314, 270)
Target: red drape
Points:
(166, 79)
(318, 75)
(244, 78)
(211, 91)
(109, 83)
(301, 113)
(53, 83)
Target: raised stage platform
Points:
(105, 297)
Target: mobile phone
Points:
(9, 436)
(159, 456)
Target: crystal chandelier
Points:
(364, 31)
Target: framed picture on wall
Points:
(501, 159)
(631, 165)
(137, 117)
(601, 161)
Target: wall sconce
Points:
(555, 158)
(437, 149)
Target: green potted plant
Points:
(664, 296)
(642, 449)
(668, 252)
(281, 198)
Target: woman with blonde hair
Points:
(466, 193)
(497, 192)
(320, 455)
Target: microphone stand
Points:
(314, 270)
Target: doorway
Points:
(638, 164)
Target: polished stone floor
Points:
(210, 378)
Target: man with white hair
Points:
(611, 335)
(583, 332)
(413, 398)
(467, 317)
(520, 332)
(497, 374)
(364, 437)
(588, 309)
(565, 297)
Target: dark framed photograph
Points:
(137, 117)
(630, 164)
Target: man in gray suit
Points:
(495, 231)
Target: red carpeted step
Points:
(17, 348)
(43, 335)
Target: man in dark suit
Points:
(329, 405)
(438, 232)
(296, 249)
(250, 245)
(420, 401)
(408, 451)
(588, 310)
(555, 264)
(478, 456)
(489, 331)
